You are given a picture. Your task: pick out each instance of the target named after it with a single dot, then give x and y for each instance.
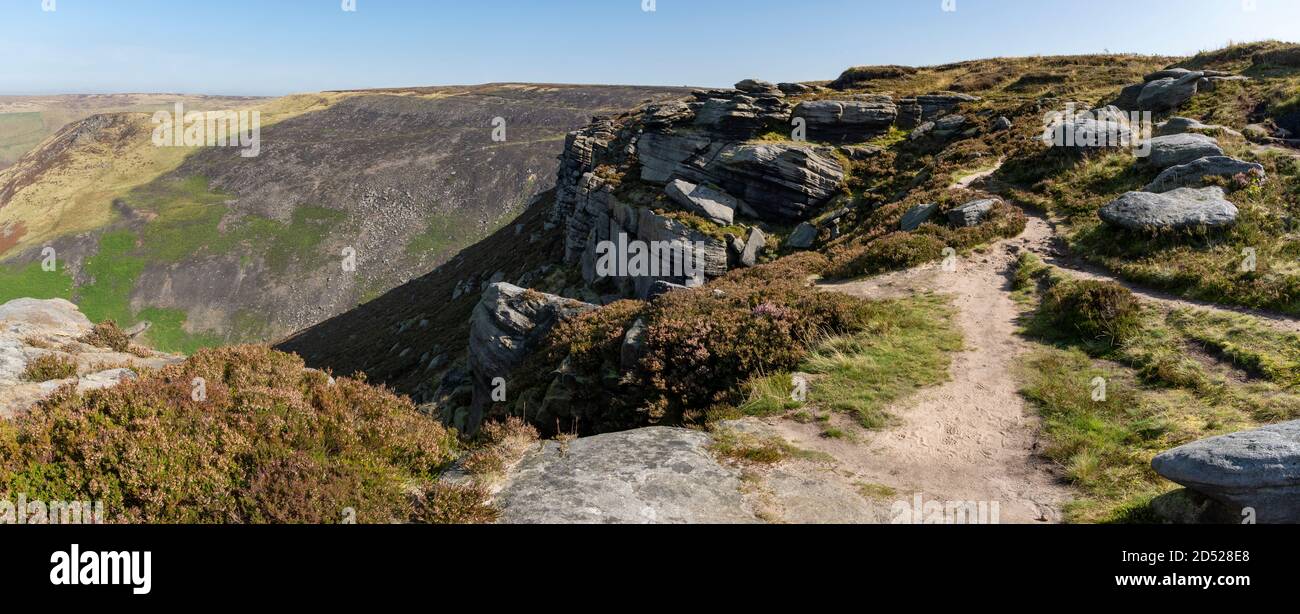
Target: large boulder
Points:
(803, 237)
(913, 112)
(1176, 149)
(756, 86)
(1169, 93)
(847, 121)
(738, 116)
(918, 215)
(1107, 126)
(715, 205)
(1177, 209)
(1193, 173)
(972, 213)
(754, 246)
(648, 476)
(508, 323)
(1257, 469)
(54, 315)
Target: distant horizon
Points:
(571, 84)
(87, 47)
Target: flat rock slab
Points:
(1175, 149)
(55, 315)
(1257, 469)
(648, 476)
(715, 205)
(1193, 173)
(1177, 209)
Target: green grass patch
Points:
(32, 281)
(907, 347)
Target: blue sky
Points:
(269, 47)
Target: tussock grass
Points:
(1164, 385)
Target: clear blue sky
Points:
(265, 47)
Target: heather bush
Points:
(696, 349)
(1094, 310)
(49, 367)
(107, 335)
(268, 442)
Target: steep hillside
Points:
(26, 121)
(211, 247)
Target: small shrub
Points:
(49, 367)
(445, 503)
(1094, 310)
(107, 335)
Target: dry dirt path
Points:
(971, 439)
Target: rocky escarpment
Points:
(710, 171)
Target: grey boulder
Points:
(846, 120)
(918, 215)
(716, 205)
(971, 214)
(1175, 149)
(648, 476)
(1177, 209)
(54, 314)
(1258, 469)
(1169, 92)
(754, 246)
(1193, 173)
(803, 237)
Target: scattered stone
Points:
(1175, 149)
(918, 215)
(1193, 174)
(754, 246)
(1002, 124)
(633, 343)
(1177, 209)
(1257, 469)
(971, 214)
(861, 152)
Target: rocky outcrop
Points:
(848, 121)
(1257, 469)
(1177, 209)
(32, 330)
(1176, 149)
(1193, 174)
(508, 323)
(803, 237)
(780, 181)
(648, 476)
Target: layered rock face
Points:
(622, 181)
(507, 324)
